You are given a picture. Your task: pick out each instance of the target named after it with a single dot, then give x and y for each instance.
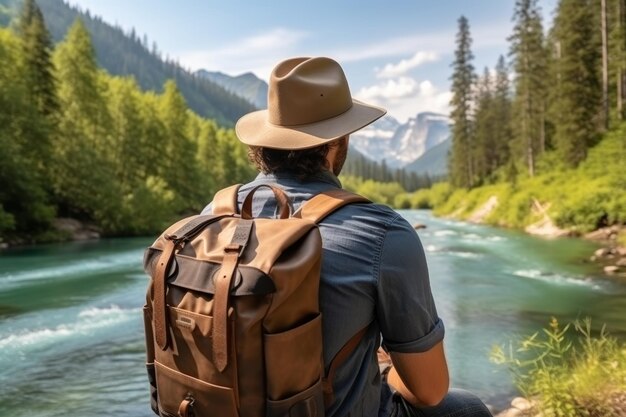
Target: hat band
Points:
(315, 122)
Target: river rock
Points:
(510, 412)
(76, 229)
(621, 262)
(611, 269)
(4, 245)
(602, 252)
(621, 251)
(521, 403)
(418, 226)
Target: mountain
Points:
(126, 54)
(401, 144)
(246, 85)
(373, 140)
(433, 162)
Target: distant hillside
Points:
(126, 54)
(433, 162)
(246, 85)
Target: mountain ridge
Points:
(125, 54)
(401, 144)
(246, 85)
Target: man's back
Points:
(374, 275)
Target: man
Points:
(374, 272)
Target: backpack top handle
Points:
(283, 202)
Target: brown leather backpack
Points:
(232, 319)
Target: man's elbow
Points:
(432, 396)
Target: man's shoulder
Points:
(371, 215)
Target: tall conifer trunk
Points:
(605, 66)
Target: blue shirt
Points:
(373, 271)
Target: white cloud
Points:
(404, 97)
(258, 53)
(405, 65)
(441, 42)
(389, 90)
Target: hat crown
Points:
(307, 90)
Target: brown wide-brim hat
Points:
(309, 104)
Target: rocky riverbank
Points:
(611, 257)
(522, 407)
(63, 230)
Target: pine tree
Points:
(529, 62)
(461, 164)
(181, 173)
(83, 154)
(502, 108)
(605, 64)
(127, 146)
(40, 87)
(24, 204)
(616, 20)
(484, 126)
(576, 99)
(36, 52)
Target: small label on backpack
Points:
(186, 323)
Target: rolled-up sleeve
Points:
(405, 307)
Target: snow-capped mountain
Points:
(373, 140)
(400, 144)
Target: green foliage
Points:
(567, 375)
(580, 199)
(96, 148)
(429, 198)
(23, 199)
(358, 165)
(384, 193)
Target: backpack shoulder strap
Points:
(323, 204)
(341, 356)
(225, 200)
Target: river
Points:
(71, 333)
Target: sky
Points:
(396, 54)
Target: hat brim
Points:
(254, 129)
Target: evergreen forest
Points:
(543, 131)
(78, 142)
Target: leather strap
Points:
(185, 409)
(341, 356)
(323, 204)
(172, 243)
(194, 226)
(225, 200)
(232, 252)
(282, 201)
(160, 275)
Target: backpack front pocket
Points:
(204, 399)
(293, 359)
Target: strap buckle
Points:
(177, 240)
(234, 248)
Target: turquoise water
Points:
(71, 333)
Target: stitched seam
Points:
(381, 245)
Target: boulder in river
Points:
(611, 269)
(76, 229)
(418, 226)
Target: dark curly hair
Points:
(303, 163)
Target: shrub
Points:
(567, 375)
